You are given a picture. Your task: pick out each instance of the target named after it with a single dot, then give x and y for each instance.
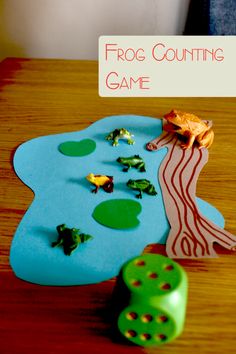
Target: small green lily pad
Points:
(118, 213)
(77, 148)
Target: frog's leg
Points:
(151, 190)
(108, 187)
(109, 137)
(141, 167)
(57, 243)
(126, 169)
(69, 249)
(205, 139)
(189, 143)
(130, 141)
(139, 196)
(95, 190)
(115, 141)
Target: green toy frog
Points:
(133, 161)
(69, 239)
(141, 185)
(121, 133)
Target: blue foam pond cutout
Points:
(63, 196)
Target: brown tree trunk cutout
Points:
(191, 233)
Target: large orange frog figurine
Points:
(191, 127)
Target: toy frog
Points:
(141, 185)
(121, 133)
(69, 239)
(106, 182)
(191, 127)
(133, 161)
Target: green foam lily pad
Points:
(118, 213)
(77, 148)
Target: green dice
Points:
(153, 293)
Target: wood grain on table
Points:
(42, 97)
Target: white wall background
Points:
(70, 28)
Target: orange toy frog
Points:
(106, 182)
(191, 127)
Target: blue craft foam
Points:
(63, 195)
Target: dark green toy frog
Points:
(69, 239)
(133, 161)
(141, 185)
(120, 133)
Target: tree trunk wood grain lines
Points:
(191, 234)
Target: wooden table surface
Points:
(41, 97)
